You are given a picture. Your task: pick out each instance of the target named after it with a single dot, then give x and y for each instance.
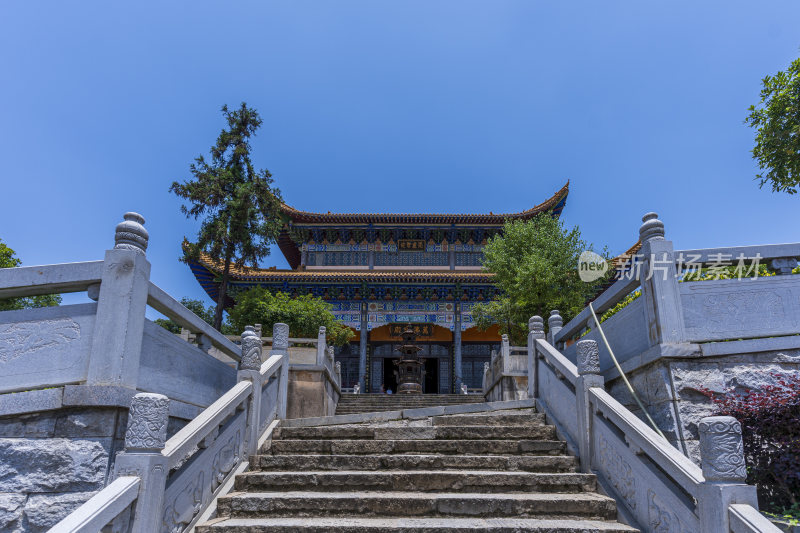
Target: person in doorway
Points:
(383, 389)
(389, 391)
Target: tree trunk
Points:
(223, 289)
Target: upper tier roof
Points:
(555, 203)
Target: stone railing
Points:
(657, 487)
(107, 350)
(672, 318)
(170, 485)
(680, 338)
(314, 376)
(505, 377)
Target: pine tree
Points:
(239, 204)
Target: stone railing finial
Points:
(555, 320)
(130, 234)
(651, 229)
(280, 337)
(721, 449)
(554, 324)
(147, 423)
(536, 325)
(251, 349)
(588, 357)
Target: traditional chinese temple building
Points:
(384, 271)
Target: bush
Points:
(197, 307)
(770, 421)
(304, 315)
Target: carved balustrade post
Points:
(121, 302)
(322, 349)
(554, 324)
(724, 470)
(280, 346)
(250, 370)
(663, 308)
(588, 377)
(144, 440)
(505, 354)
(338, 367)
(535, 331)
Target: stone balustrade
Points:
(657, 488)
(679, 338)
(171, 484)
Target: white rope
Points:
(622, 374)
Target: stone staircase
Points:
(368, 403)
(502, 471)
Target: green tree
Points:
(535, 264)
(9, 259)
(304, 314)
(197, 307)
(777, 123)
(240, 206)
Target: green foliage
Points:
(9, 259)
(777, 123)
(241, 208)
(535, 265)
(197, 307)
(304, 314)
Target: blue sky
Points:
(412, 106)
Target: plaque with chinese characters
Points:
(421, 330)
(411, 245)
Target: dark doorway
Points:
(389, 377)
(431, 382)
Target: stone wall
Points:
(53, 461)
(311, 393)
(670, 388)
(513, 387)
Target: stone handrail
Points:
(675, 318)
(607, 299)
(103, 508)
(168, 306)
(48, 279)
(745, 519)
(170, 485)
(107, 350)
(657, 488)
(762, 251)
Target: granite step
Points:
(411, 525)
(538, 431)
(416, 446)
(475, 481)
(522, 463)
(522, 419)
(501, 471)
(585, 505)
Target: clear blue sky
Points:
(411, 106)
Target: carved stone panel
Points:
(47, 346)
(617, 470)
(724, 309)
(192, 486)
(661, 517)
